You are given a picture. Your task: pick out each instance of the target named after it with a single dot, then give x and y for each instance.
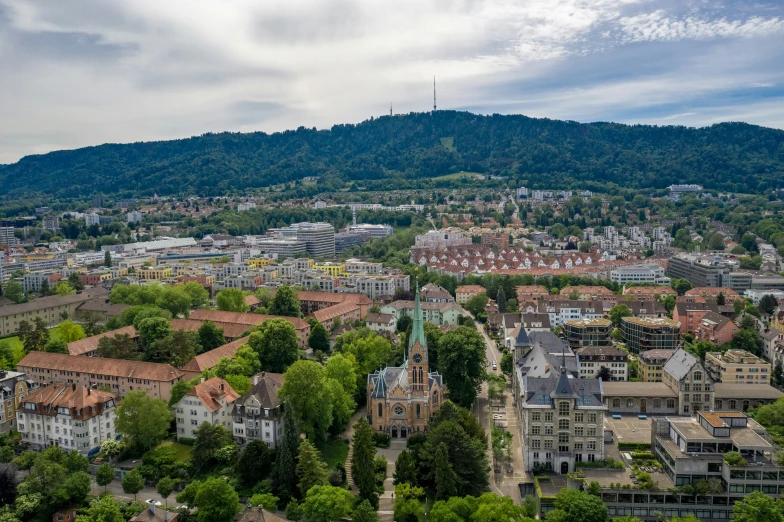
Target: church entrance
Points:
(403, 432)
(394, 432)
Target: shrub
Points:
(634, 446)
(381, 440)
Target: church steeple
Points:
(418, 328)
(418, 366)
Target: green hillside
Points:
(727, 156)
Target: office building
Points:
(756, 295)
(642, 334)
(647, 273)
(701, 270)
(737, 367)
(33, 281)
(345, 240)
(281, 248)
(51, 223)
(375, 231)
(319, 238)
(7, 236)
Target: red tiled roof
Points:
(209, 359)
(90, 344)
(334, 311)
(218, 316)
(78, 399)
(210, 391)
(230, 330)
(101, 366)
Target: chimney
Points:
(166, 515)
(202, 379)
(255, 380)
(152, 506)
(88, 392)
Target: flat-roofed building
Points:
(587, 332)
(737, 367)
(642, 334)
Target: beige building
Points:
(737, 367)
(651, 363)
(51, 309)
(123, 377)
(210, 401)
(686, 376)
(14, 387)
(466, 292)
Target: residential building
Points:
(154, 513)
(436, 313)
(373, 286)
(685, 188)
(258, 415)
(381, 322)
(69, 416)
(587, 332)
(737, 367)
(687, 377)
(250, 320)
(364, 267)
(401, 400)
(534, 322)
(14, 386)
(51, 223)
(593, 358)
(210, 401)
(436, 294)
(51, 309)
(586, 293)
(155, 379)
(153, 273)
(133, 217)
(208, 360)
(437, 239)
(7, 236)
(642, 334)
(715, 328)
(89, 345)
(648, 293)
(651, 363)
(756, 295)
(531, 293)
(464, 293)
(33, 281)
(711, 294)
(645, 273)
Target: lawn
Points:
(334, 452)
(458, 175)
(183, 451)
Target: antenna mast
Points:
(434, 93)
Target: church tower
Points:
(417, 362)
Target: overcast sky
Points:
(76, 73)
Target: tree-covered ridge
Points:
(729, 156)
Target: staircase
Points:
(349, 478)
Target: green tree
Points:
(364, 512)
(143, 420)
(210, 336)
(120, 346)
(720, 299)
(107, 259)
(408, 508)
(461, 355)
(63, 288)
(362, 461)
(476, 305)
(293, 511)
(287, 455)
(572, 505)
(669, 304)
(209, 438)
(326, 504)
(216, 501)
(306, 391)
(285, 303)
(34, 337)
(404, 323)
(266, 500)
(446, 479)
(617, 313)
(406, 469)
(56, 346)
(197, 293)
(104, 476)
(164, 487)
(342, 370)
(757, 507)
(318, 338)
(276, 343)
(70, 331)
(507, 363)
(45, 289)
(768, 304)
(153, 329)
(254, 463)
(231, 300)
(102, 509)
(14, 291)
(176, 349)
(680, 285)
(749, 340)
(311, 469)
(778, 373)
(75, 282)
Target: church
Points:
(402, 399)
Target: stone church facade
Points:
(402, 399)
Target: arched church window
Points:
(418, 411)
(380, 410)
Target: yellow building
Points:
(651, 363)
(333, 269)
(258, 263)
(153, 273)
(737, 367)
(13, 388)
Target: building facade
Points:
(685, 375)
(14, 386)
(642, 334)
(258, 415)
(651, 363)
(737, 367)
(210, 401)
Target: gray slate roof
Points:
(680, 364)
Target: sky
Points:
(84, 72)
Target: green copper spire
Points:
(418, 329)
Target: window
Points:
(380, 410)
(592, 418)
(563, 438)
(697, 376)
(536, 443)
(591, 432)
(399, 410)
(616, 403)
(670, 403)
(548, 444)
(548, 429)
(563, 408)
(578, 446)
(536, 416)
(578, 431)
(548, 416)
(418, 411)
(563, 424)
(535, 429)
(590, 445)
(630, 403)
(578, 417)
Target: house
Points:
(651, 362)
(586, 293)
(687, 377)
(154, 513)
(89, 345)
(379, 322)
(210, 401)
(257, 514)
(250, 320)
(344, 313)
(531, 293)
(436, 294)
(464, 293)
(715, 328)
(14, 386)
(649, 293)
(258, 415)
(712, 293)
(535, 322)
(68, 416)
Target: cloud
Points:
(89, 71)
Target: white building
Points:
(756, 295)
(375, 231)
(381, 322)
(647, 273)
(68, 416)
(92, 219)
(242, 207)
(434, 239)
(258, 414)
(209, 401)
(134, 217)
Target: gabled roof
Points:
(90, 344)
(210, 359)
(211, 391)
(264, 393)
(98, 365)
(680, 364)
(218, 316)
(81, 401)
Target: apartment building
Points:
(33, 281)
(155, 379)
(649, 293)
(642, 334)
(586, 293)
(738, 367)
(587, 332)
(210, 401)
(7, 236)
(381, 322)
(207, 360)
(466, 292)
(68, 416)
(644, 273)
(96, 278)
(258, 415)
(593, 358)
(365, 267)
(715, 328)
(651, 363)
(51, 309)
(528, 293)
(437, 313)
(14, 386)
(373, 286)
(685, 375)
(153, 273)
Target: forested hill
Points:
(541, 152)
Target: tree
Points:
(680, 285)
(210, 336)
(446, 479)
(293, 511)
(476, 305)
(107, 259)
(507, 363)
(407, 506)
(103, 509)
(14, 291)
(164, 487)
(8, 483)
(56, 346)
(605, 374)
(45, 289)
(34, 337)
(720, 299)
(143, 420)
(276, 343)
(404, 323)
(285, 303)
(341, 369)
(75, 282)
(746, 339)
(461, 355)
(231, 300)
(362, 461)
(197, 293)
(311, 469)
(757, 507)
(306, 392)
(133, 482)
(216, 501)
(572, 505)
(501, 300)
(120, 346)
(326, 504)
(70, 331)
(176, 349)
(153, 329)
(288, 452)
(254, 463)
(669, 304)
(778, 373)
(364, 512)
(318, 338)
(617, 313)
(64, 288)
(104, 476)
(266, 500)
(209, 438)
(768, 304)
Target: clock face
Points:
(417, 358)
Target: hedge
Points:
(634, 446)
